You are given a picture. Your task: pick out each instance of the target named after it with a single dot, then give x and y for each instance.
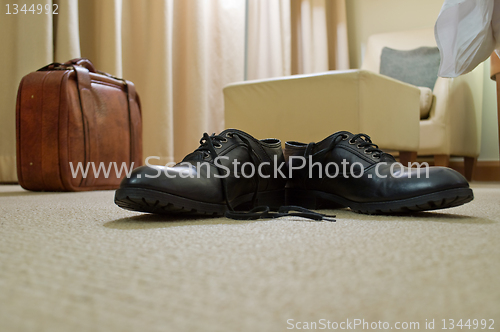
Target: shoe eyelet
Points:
(230, 135)
(359, 146)
(223, 140)
(368, 152)
(207, 155)
(351, 142)
(218, 146)
(375, 157)
(345, 137)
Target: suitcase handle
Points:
(84, 62)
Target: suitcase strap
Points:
(88, 118)
(134, 124)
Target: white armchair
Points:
(310, 107)
(453, 127)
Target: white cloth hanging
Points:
(467, 32)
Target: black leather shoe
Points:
(198, 184)
(368, 180)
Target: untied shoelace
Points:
(259, 212)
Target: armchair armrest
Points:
(457, 111)
(311, 107)
(494, 66)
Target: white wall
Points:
(367, 17)
(489, 141)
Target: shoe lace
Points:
(208, 144)
(364, 141)
(367, 143)
(264, 212)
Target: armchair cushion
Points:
(418, 66)
(426, 97)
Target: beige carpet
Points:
(76, 262)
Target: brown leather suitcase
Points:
(77, 128)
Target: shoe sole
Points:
(311, 199)
(158, 202)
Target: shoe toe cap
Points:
(446, 178)
(142, 176)
(179, 181)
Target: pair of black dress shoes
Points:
(233, 171)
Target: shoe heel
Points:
(304, 198)
(274, 199)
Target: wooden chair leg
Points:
(442, 160)
(407, 157)
(469, 165)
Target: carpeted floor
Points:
(76, 262)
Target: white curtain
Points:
(26, 45)
(179, 53)
(295, 37)
(269, 39)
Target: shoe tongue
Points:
(234, 131)
(226, 131)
